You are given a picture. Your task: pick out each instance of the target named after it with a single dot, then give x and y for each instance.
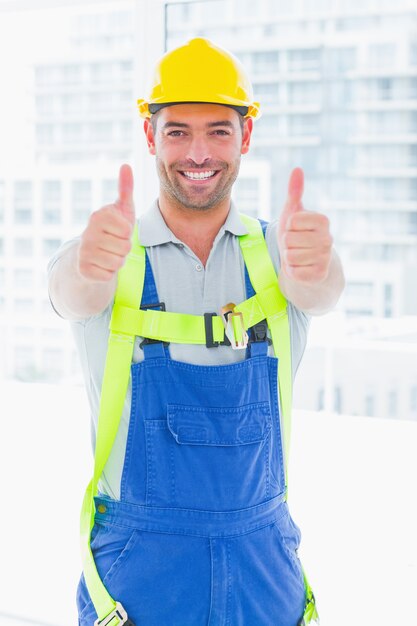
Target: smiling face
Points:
(197, 149)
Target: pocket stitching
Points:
(292, 555)
(174, 409)
(114, 567)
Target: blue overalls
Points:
(202, 535)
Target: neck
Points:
(197, 229)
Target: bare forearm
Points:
(315, 298)
(73, 296)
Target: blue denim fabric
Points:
(202, 535)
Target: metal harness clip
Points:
(117, 617)
(229, 315)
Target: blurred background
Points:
(337, 82)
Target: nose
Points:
(198, 150)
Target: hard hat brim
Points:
(154, 108)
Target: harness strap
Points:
(117, 368)
(127, 322)
(264, 279)
(181, 327)
(270, 299)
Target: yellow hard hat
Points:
(200, 71)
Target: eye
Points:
(221, 132)
(175, 133)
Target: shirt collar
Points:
(154, 230)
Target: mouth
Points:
(200, 177)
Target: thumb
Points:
(293, 202)
(295, 190)
(125, 200)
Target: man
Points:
(191, 524)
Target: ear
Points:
(150, 138)
(247, 132)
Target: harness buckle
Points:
(117, 617)
(229, 317)
(208, 325)
(260, 333)
(160, 306)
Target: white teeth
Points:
(199, 175)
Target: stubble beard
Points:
(194, 200)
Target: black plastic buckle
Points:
(160, 306)
(208, 326)
(260, 333)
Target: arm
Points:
(83, 280)
(311, 274)
(73, 296)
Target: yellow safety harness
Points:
(129, 321)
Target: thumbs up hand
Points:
(106, 241)
(304, 239)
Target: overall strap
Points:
(117, 368)
(151, 348)
(127, 322)
(270, 299)
(255, 347)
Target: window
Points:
(304, 60)
(81, 200)
(265, 62)
(320, 399)
(51, 202)
(50, 246)
(303, 124)
(392, 403)
(101, 72)
(267, 126)
(101, 132)
(45, 75)
(304, 93)
(23, 202)
(72, 103)
(45, 134)
(71, 73)
(24, 357)
(338, 400)
(23, 305)
(382, 55)
(23, 247)
(53, 360)
(72, 133)
(370, 405)
(340, 60)
(388, 300)
(385, 88)
(267, 93)
(45, 105)
(126, 131)
(23, 278)
(359, 290)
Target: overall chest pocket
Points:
(209, 457)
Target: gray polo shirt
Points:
(186, 286)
